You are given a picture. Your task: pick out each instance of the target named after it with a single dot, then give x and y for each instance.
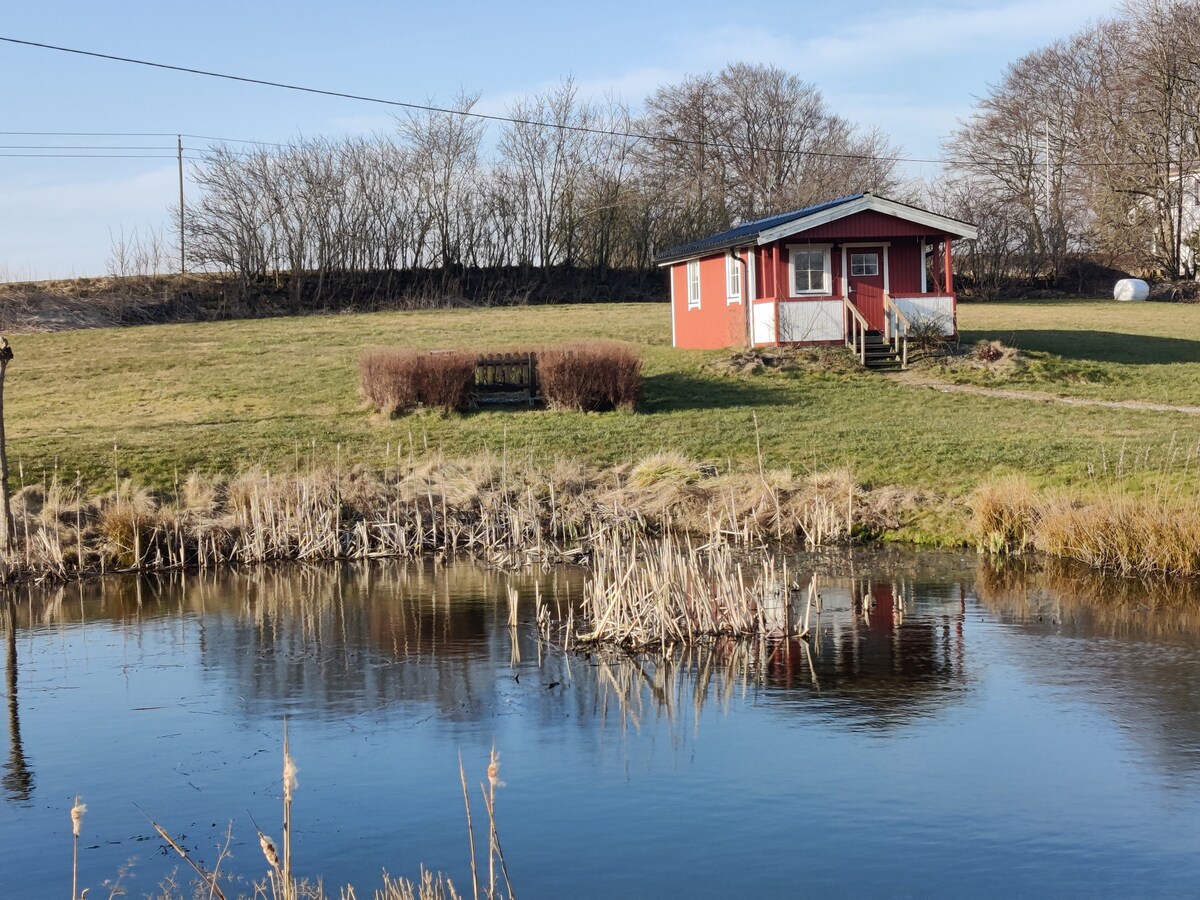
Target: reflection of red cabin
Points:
(837, 272)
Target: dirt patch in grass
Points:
(992, 362)
(761, 360)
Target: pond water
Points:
(952, 730)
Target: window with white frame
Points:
(693, 284)
(810, 270)
(864, 264)
(733, 278)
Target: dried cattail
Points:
(77, 812)
(269, 851)
(494, 771)
(289, 775)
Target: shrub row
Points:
(586, 377)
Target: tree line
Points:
(1086, 150)
(1085, 153)
(564, 183)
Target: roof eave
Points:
(667, 260)
(889, 207)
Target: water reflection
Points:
(884, 652)
(1045, 722)
(18, 777)
(1130, 644)
(401, 639)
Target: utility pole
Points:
(6, 526)
(179, 148)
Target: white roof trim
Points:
(878, 204)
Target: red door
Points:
(864, 270)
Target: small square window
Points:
(864, 264)
(809, 270)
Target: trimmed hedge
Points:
(587, 377)
(396, 381)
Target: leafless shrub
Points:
(590, 376)
(446, 378)
(396, 381)
(388, 379)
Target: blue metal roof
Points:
(740, 235)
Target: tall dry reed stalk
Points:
(662, 593)
(289, 786)
(504, 511)
(77, 813)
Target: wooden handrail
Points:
(856, 330)
(896, 326)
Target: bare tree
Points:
(445, 151)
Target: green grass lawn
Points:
(222, 396)
(1097, 348)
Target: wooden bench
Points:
(506, 378)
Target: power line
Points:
(424, 107)
(78, 147)
(487, 117)
(87, 134)
(198, 137)
(88, 155)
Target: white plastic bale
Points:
(1131, 289)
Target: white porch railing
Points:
(896, 327)
(856, 330)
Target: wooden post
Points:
(6, 535)
(949, 269)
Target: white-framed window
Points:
(810, 270)
(733, 278)
(693, 284)
(864, 264)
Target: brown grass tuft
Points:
(1004, 515)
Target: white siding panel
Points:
(764, 323)
(811, 320)
(923, 309)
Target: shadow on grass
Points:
(676, 391)
(673, 391)
(1097, 346)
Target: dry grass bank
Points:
(500, 510)
(1114, 531)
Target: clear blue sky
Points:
(911, 67)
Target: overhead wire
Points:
(489, 117)
(426, 107)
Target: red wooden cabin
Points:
(862, 270)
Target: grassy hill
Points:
(155, 402)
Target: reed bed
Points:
(659, 594)
(497, 510)
(1114, 531)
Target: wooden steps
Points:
(880, 356)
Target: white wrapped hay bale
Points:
(1131, 289)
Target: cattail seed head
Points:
(493, 771)
(289, 775)
(268, 850)
(77, 812)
